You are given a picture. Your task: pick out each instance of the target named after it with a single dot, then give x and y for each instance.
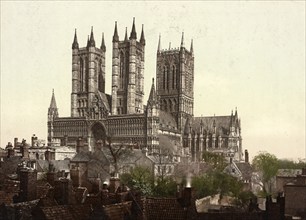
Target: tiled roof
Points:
(118, 211)
(245, 169)
(164, 208)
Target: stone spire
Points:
(125, 37)
(103, 48)
(92, 42)
(75, 44)
(133, 32)
(182, 41)
(53, 102)
(115, 37)
(142, 38)
(153, 95)
(191, 47)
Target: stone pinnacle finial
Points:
(115, 37)
(75, 44)
(182, 41)
(142, 38)
(159, 41)
(125, 37)
(133, 32)
(92, 42)
(103, 48)
(191, 47)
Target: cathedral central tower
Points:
(128, 73)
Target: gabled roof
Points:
(81, 157)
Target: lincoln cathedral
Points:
(163, 123)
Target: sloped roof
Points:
(106, 100)
(222, 124)
(81, 157)
(288, 172)
(245, 169)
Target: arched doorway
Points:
(98, 135)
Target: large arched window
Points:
(86, 75)
(173, 77)
(165, 77)
(101, 82)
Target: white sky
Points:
(249, 55)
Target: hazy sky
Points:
(249, 55)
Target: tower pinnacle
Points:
(92, 42)
(182, 41)
(75, 44)
(142, 38)
(103, 48)
(125, 37)
(53, 102)
(133, 32)
(158, 47)
(115, 37)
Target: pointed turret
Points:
(153, 96)
(182, 41)
(75, 44)
(133, 32)
(169, 45)
(103, 48)
(191, 47)
(125, 37)
(115, 37)
(92, 42)
(53, 102)
(158, 47)
(142, 38)
(52, 111)
(236, 114)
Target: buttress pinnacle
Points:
(142, 38)
(103, 48)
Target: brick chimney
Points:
(28, 179)
(80, 145)
(114, 183)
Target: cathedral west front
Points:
(163, 122)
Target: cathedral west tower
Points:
(128, 73)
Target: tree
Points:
(165, 187)
(140, 178)
(217, 161)
(267, 165)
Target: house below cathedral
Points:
(165, 123)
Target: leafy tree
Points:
(165, 187)
(140, 178)
(267, 165)
(218, 162)
(289, 164)
(216, 182)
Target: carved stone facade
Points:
(165, 122)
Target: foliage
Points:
(217, 161)
(216, 182)
(289, 164)
(164, 187)
(140, 178)
(243, 198)
(267, 165)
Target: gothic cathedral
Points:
(165, 122)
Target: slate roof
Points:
(245, 169)
(222, 124)
(164, 208)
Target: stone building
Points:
(125, 116)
